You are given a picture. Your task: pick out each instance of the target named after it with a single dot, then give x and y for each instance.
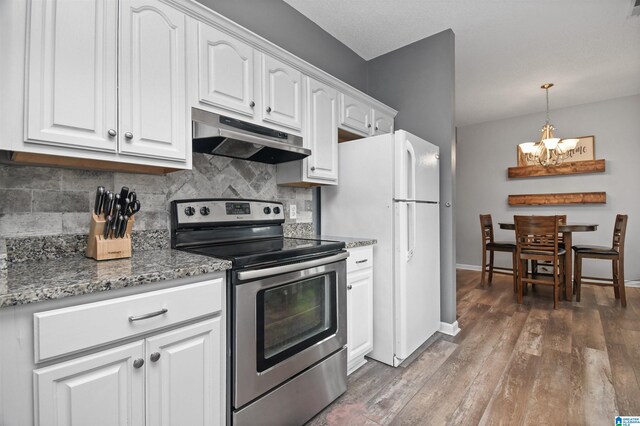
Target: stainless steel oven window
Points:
(294, 316)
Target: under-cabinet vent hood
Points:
(219, 135)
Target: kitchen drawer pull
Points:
(128, 135)
(112, 132)
(149, 315)
(268, 109)
(349, 287)
(154, 357)
(252, 104)
(362, 261)
(138, 363)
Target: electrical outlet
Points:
(293, 213)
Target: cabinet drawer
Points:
(62, 331)
(359, 258)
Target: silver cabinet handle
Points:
(149, 315)
(154, 357)
(259, 273)
(349, 286)
(252, 104)
(268, 109)
(112, 132)
(362, 261)
(138, 363)
(313, 168)
(128, 135)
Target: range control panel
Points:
(226, 211)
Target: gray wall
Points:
(48, 201)
(418, 81)
(486, 150)
(284, 26)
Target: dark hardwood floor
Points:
(511, 364)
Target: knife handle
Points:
(107, 226)
(123, 226)
(98, 202)
(108, 204)
(116, 205)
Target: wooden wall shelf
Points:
(562, 198)
(573, 168)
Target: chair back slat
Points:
(537, 234)
(486, 225)
(619, 232)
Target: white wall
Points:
(486, 150)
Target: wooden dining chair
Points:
(615, 254)
(537, 240)
(490, 246)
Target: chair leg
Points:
(514, 265)
(484, 266)
(491, 267)
(614, 274)
(556, 289)
(520, 269)
(623, 292)
(562, 273)
(577, 278)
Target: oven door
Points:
(285, 323)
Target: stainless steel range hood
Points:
(219, 135)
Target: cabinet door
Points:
(322, 107)
(152, 80)
(355, 115)
(186, 382)
(281, 93)
(359, 313)
(103, 389)
(72, 74)
(225, 71)
(382, 123)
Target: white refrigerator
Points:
(389, 190)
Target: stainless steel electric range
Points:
(286, 308)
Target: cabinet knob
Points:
(252, 104)
(349, 287)
(313, 168)
(154, 356)
(138, 363)
(268, 109)
(128, 135)
(369, 125)
(377, 128)
(112, 132)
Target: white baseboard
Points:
(633, 283)
(449, 328)
(468, 267)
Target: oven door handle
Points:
(276, 270)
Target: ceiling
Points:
(505, 49)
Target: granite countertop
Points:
(35, 281)
(350, 242)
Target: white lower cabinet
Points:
(359, 306)
(180, 370)
(170, 374)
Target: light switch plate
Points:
(293, 213)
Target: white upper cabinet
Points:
(72, 74)
(281, 93)
(322, 134)
(382, 123)
(226, 71)
(106, 80)
(355, 115)
(152, 80)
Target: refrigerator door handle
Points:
(411, 175)
(411, 229)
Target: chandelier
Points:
(550, 151)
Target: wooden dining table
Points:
(567, 229)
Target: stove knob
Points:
(267, 210)
(190, 211)
(204, 211)
(276, 210)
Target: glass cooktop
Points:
(268, 251)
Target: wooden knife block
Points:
(100, 248)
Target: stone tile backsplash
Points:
(49, 201)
